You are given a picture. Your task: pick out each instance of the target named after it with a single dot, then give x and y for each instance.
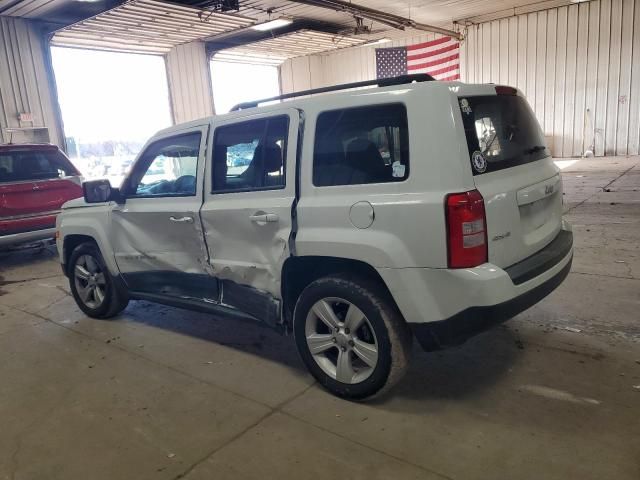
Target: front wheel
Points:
(351, 336)
(91, 284)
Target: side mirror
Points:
(99, 191)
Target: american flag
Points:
(439, 58)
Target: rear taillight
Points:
(466, 229)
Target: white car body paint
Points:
(244, 251)
(143, 236)
(406, 242)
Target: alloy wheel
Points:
(90, 281)
(341, 340)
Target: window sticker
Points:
(398, 169)
(464, 106)
(478, 161)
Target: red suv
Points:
(35, 180)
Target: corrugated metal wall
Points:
(189, 82)
(346, 65)
(25, 84)
(578, 65)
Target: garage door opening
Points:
(111, 104)
(240, 82)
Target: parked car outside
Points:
(456, 227)
(35, 180)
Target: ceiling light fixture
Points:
(374, 42)
(380, 40)
(272, 24)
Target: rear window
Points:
(502, 132)
(19, 166)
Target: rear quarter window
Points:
(501, 132)
(361, 145)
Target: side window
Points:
(167, 168)
(34, 165)
(250, 155)
(361, 145)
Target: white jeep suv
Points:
(357, 219)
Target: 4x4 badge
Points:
(478, 162)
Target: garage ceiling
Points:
(152, 26)
(147, 26)
(438, 12)
(296, 44)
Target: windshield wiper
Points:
(534, 149)
(488, 146)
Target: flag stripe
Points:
(432, 43)
(434, 70)
(432, 63)
(440, 71)
(432, 49)
(433, 52)
(440, 57)
(440, 76)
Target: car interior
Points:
(265, 163)
(172, 172)
(24, 166)
(352, 149)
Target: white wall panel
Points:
(189, 80)
(26, 84)
(578, 65)
(634, 98)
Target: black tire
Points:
(391, 332)
(115, 300)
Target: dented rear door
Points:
(247, 214)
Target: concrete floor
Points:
(162, 393)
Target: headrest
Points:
(362, 150)
(271, 157)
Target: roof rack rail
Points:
(381, 82)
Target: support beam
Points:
(392, 20)
(189, 80)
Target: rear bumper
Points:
(446, 306)
(27, 237)
(474, 320)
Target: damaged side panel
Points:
(247, 232)
(145, 238)
(193, 286)
(246, 256)
(156, 233)
(257, 303)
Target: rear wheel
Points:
(351, 336)
(91, 284)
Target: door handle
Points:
(181, 219)
(264, 218)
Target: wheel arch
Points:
(69, 244)
(299, 272)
